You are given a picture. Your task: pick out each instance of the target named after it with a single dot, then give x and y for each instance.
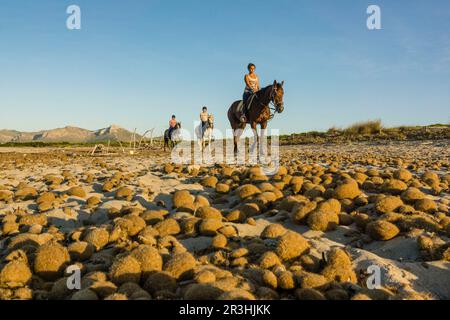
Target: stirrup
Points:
(243, 119)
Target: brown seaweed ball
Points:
(124, 193)
(388, 204)
(108, 186)
(84, 294)
(33, 219)
(6, 195)
(361, 296)
(268, 260)
(201, 201)
(347, 190)
(382, 230)
(331, 205)
(168, 168)
(339, 267)
(312, 280)
(323, 220)
(247, 190)
(125, 269)
(98, 237)
(189, 226)
(168, 227)
(228, 231)
(131, 224)
(180, 265)
(426, 205)
(412, 194)
(209, 227)
(345, 219)
(50, 260)
(103, 288)
(236, 216)
(337, 294)
(236, 294)
(205, 276)
(269, 279)
(222, 188)
(117, 296)
(128, 288)
(149, 259)
(394, 186)
(46, 197)
(273, 231)
(310, 262)
(202, 291)
(301, 210)
(430, 178)
(15, 274)
(160, 281)
(361, 220)
(403, 174)
(291, 245)
(25, 193)
(219, 241)
(60, 290)
(209, 182)
(9, 227)
(265, 293)
(182, 198)
(81, 250)
(286, 280)
(152, 217)
(208, 213)
(76, 192)
(45, 206)
(309, 294)
(93, 201)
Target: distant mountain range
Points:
(68, 134)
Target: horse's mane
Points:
(264, 89)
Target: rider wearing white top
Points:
(251, 87)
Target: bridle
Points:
(272, 106)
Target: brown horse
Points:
(258, 112)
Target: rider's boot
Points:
(242, 118)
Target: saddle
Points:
(244, 108)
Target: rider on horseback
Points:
(251, 87)
(204, 119)
(172, 124)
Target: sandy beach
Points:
(139, 227)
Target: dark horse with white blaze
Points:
(258, 111)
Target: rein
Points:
(270, 104)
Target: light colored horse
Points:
(208, 134)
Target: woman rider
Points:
(251, 87)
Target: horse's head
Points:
(277, 96)
(211, 120)
(178, 126)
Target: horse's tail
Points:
(232, 114)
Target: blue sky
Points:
(134, 63)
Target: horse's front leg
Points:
(255, 139)
(263, 141)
